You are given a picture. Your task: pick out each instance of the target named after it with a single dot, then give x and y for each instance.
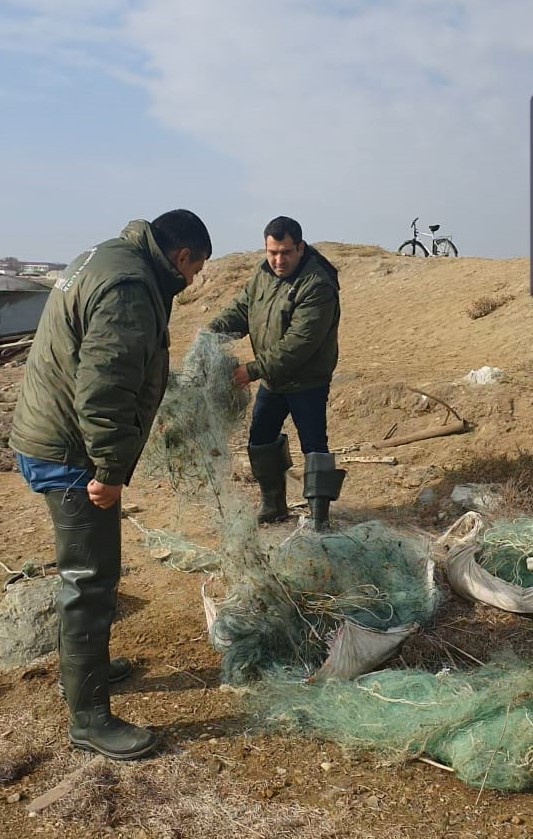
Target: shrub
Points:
(485, 305)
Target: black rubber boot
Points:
(92, 726)
(319, 509)
(269, 464)
(88, 561)
(322, 484)
(119, 669)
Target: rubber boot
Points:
(88, 561)
(119, 669)
(269, 463)
(322, 484)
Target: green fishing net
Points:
(311, 585)
(201, 408)
(479, 723)
(313, 605)
(506, 549)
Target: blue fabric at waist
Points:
(46, 475)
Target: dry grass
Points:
(512, 477)
(20, 753)
(338, 250)
(188, 295)
(19, 764)
(485, 305)
(516, 496)
(175, 798)
(514, 468)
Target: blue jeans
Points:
(46, 475)
(307, 409)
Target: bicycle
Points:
(440, 245)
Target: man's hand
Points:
(103, 495)
(240, 376)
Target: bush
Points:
(485, 305)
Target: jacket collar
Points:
(170, 280)
(308, 254)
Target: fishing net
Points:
(508, 551)
(200, 410)
(493, 564)
(311, 587)
(479, 723)
(174, 550)
(190, 447)
(332, 607)
(286, 603)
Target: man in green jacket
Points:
(290, 309)
(94, 379)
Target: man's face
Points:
(283, 256)
(188, 266)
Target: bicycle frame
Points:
(431, 235)
(435, 240)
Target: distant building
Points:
(11, 267)
(8, 267)
(40, 269)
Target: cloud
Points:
(388, 110)
(352, 116)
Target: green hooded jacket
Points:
(98, 366)
(292, 323)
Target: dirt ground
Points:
(407, 325)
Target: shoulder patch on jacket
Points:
(65, 282)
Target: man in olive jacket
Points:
(94, 379)
(290, 309)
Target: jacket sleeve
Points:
(311, 321)
(234, 319)
(120, 339)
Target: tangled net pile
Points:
(478, 723)
(507, 547)
(329, 608)
(314, 585)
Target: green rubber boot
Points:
(88, 561)
(119, 669)
(269, 463)
(322, 484)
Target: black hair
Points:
(182, 229)
(283, 226)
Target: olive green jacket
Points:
(292, 323)
(98, 366)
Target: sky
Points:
(353, 116)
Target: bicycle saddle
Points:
(434, 227)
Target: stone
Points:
(28, 621)
(478, 497)
(485, 376)
(160, 554)
(426, 496)
(129, 510)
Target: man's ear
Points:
(182, 257)
(300, 248)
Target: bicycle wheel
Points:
(445, 247)
(413, 248)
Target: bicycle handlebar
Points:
(414, 221)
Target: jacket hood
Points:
(169, 279)
(330, 269)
